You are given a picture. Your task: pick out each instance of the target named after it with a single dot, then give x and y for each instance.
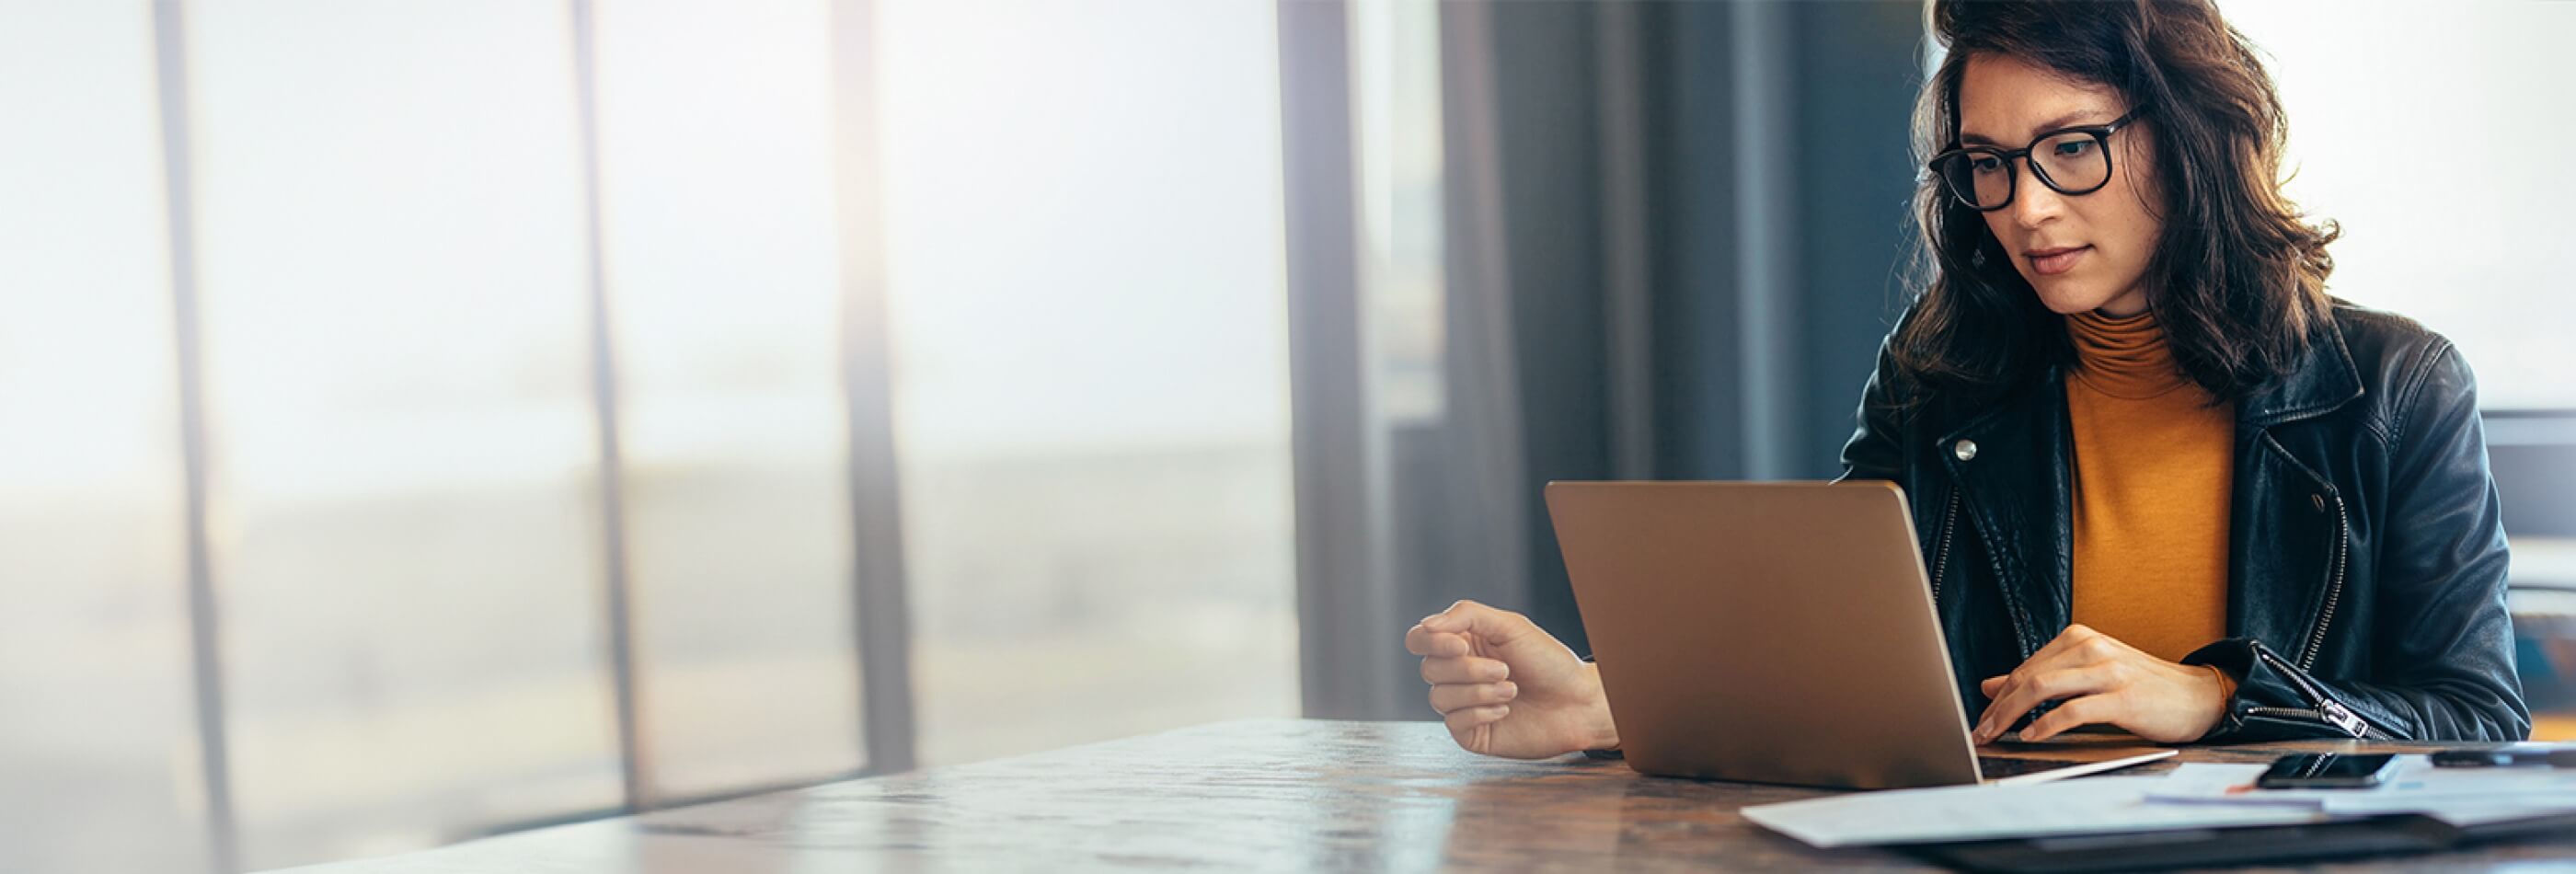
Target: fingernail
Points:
(1510, 690)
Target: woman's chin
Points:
(2069, 301)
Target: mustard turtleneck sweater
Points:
(2153, 463)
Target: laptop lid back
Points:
(1765, 632)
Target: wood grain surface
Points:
(1264, 795)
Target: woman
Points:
(2165, 483)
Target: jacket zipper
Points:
(2338, 717)
(2328, 709)
(2020, 618)
(1941, 560)
(2334, 588)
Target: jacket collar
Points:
(2324, 380)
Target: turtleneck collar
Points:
(2123, 357)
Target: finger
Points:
(1497, 627)
(1465, 669)
(1448, 697)
(1997, 718)
(2073, 638)
(2027, 689)
(2087, 710)
(1426, 642)
(2021, 695)
(1993, 688)
(1470, 727)
(2077, 645)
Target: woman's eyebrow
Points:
(2062, 121)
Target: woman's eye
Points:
(1984, 164)
(2072, 148)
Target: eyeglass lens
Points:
(2071, 163)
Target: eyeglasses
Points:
(2072, 161)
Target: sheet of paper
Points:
(2230, 783)
(1962, 813)
(2468, 814)
(2416, 787)
(2446, 804)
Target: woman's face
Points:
(2086, 252)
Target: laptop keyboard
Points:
(1998, 767)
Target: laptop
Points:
(1774, 633)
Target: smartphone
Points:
(2327, 771)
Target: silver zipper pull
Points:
(2344, 718)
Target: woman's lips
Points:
(2057, 261)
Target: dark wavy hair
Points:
(2238, 279)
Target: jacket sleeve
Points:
(2442, 649)
(1875, 450)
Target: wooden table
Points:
(1255, 795)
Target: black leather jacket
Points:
(2366, 556)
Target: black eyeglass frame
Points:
(2101, 134)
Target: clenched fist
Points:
(1507, 688)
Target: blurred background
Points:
(428, 420)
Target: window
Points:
(1395, 59)
(715, 153)
(1084, 236)
(2445, 170)
(403, 471)
(408, 495)
(100, 742)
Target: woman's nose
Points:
(2034, 202)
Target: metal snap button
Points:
(1966, 450)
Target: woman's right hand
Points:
(1507, 688)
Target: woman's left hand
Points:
(2099, 680)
